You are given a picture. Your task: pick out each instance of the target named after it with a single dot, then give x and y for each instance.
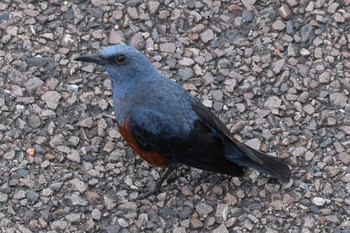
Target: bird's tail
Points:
(262, 162)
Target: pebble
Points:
(96, 214)
(33, 84)
(307, 35)
(318, 201)
(285, 12)
(203, 209)
(19, 194)
(221, 213)
(273, 102)
(278, 25)
(338, 99)
(221, 229)
(78, 184)
(247, 16)
(31, 152)
(277, 204)
(207, 35)
(168, 48)
(344, 158)
(51, 98)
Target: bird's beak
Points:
(93, 58)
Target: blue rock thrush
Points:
(166, 125)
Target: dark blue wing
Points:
(198, 147)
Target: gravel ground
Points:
(276, 72)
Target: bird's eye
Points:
(120, 58)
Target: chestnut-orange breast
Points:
(151, 157)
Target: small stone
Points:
(74, 156)
(277, 66)
(115, 37)
(113, 228)
(235, 8)
(332, 218)
(309, 222)
(185, 61)
(96, 214)
(254, 143)
(278, 25)
(168, 48)
(92, 196)
(203, 209)
(99, 3)
(19, 194)
(208, 78)
(32, 84)
(110, 203)
(32, 196)
(277, 204)
(273, 102)
(59, 224)
(303, 70)
(217, 95)
(307, 35)
(325, 77)
(137, 41)
(309, 109)
(185, 213)
(285, 12)
(78, 184)
(344, 158)
(309, 156)
(230, 199)
(3, 197)
(12, 30)
(51, 98)
(179, 230)
(318, 201)
(196, 224)
(10, 154)
(287, 199)
(310, 7)
(221, 229)
(247, 16)
(332, 7)
(73, 217)
(186, 73)
(221, 212)
(346, 129)
(86, 123)
(207, 35)
(132, 12)
(305, 52)
(31, 152)
(318, 53)
(338, 18)
(48, 36)
(338, 99)
(31, 13)
(153, 6)
(50, 156)
(123, 223)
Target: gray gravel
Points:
(277, 73)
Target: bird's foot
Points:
(158, 185)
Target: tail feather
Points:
(263, 163)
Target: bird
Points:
(167, 126)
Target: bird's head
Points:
(122, 62)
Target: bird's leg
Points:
(158, 185)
